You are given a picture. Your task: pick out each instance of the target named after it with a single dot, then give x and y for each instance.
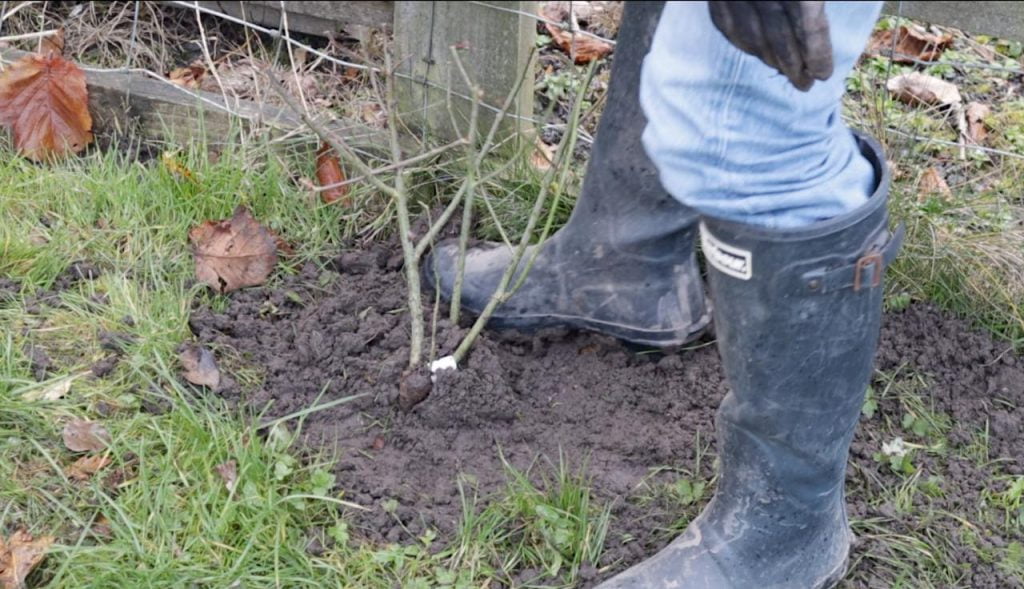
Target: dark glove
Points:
(792, 37)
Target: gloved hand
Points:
(792, 37)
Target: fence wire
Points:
(284, 35)
(962, 144)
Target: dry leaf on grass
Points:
(373, 114)
(173, 165)
(243, 78)
(283, 247)
(85, 436)
(234, 78)
(582, 48)
(911, 44)
(916, 87)
(19, 554)
(233, 253)
(976, 129)
(328, 172)
(44, 101)
(190, 76)
(86, 466)
(543, 156)
(52, 44)
(200, 367)
(52, 392)
(101, 529)
(932, 183)
(228, 472)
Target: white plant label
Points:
(446, 363)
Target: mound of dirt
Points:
(619, 412)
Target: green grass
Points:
(161, 515)
(924, 539)
(964, 251)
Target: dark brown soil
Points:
(621, 413)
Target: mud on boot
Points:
(797, 321)
(624, 263)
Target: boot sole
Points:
(837, 574)
(633, 335)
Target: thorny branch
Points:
(412, 274)
(562, 160)
(470, 192)
(412, 251)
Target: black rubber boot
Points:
(624, 263)
(797, 322)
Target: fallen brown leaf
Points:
(985, 52)
(39, 238)
(52, 44)
(19, 554)
(233, 253)
(911, 44)
(895, 170)
(200, 367)
(582, 48)
(976, 129)
(228, 472)
(177, 169)
(916, 87)
(116, 477)
(243, 78)
(234, 78)
(283, 246)
(328, 172)
(542, 156)
(45, 102)
(86, 466)
(101, 528)
(51, 393)
(190, 76)
(373, 114)
(932, 183)
(85, 436)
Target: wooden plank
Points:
(998, 19)
(313, 18)
(497, 49)
(136, 106)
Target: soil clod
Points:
(641, 425)
(414, 389)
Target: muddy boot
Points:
(624, 264)
(797, 321)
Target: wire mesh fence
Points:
(136, 48)
(140, 54)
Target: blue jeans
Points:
(733, 139)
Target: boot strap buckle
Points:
(829, 275)
(873, 260)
